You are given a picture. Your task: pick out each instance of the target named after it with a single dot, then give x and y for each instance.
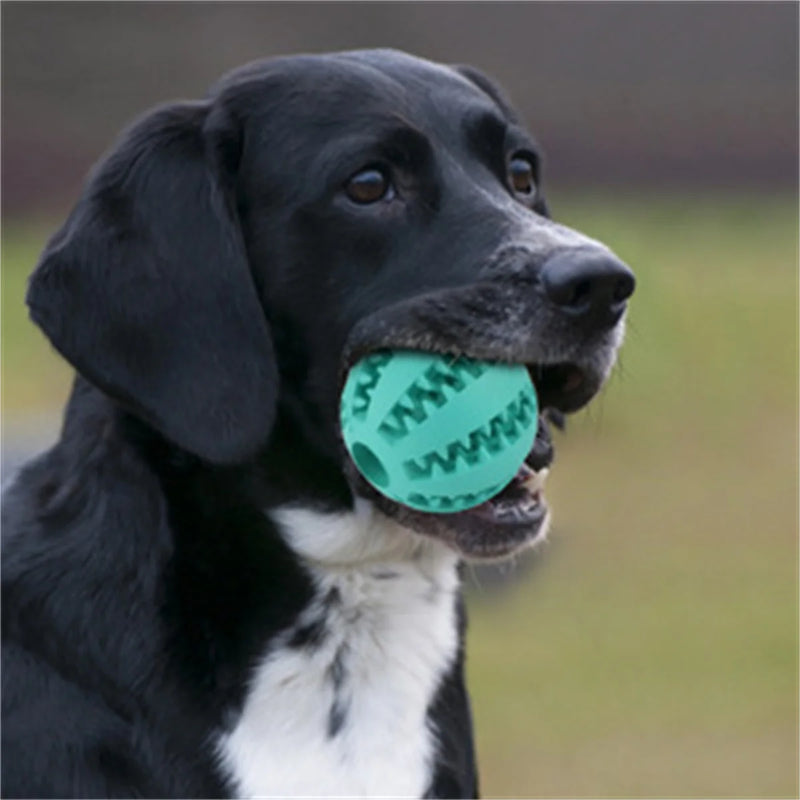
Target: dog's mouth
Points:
(517, 516)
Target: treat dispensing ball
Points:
(437, 433)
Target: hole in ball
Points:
(370, 465)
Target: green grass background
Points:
(650, 648)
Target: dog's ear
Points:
(488, 87)
(146, 289)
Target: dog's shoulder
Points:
(92, 705)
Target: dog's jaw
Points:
(566, 379)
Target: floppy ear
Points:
(146, 289)
(488, 87)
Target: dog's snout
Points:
(591, 285)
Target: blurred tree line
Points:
(620, 94)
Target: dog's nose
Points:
(594, 286)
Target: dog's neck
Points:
(358, 538)
(340, 701)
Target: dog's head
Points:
(233, 257)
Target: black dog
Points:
(201, 597)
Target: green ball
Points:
(438, 433)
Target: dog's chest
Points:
(339, 703)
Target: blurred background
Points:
(650, 648)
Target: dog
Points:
(201, 595)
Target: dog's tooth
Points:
(524, 473)
(535, 483)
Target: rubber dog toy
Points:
(437, 433)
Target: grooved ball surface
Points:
(437, 433)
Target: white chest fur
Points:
(338, 704)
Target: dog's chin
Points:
(516, 517)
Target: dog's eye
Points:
(521, 175)
(369, 186)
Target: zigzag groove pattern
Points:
(430, 391)
(372, 367)
(451, 503)
(491, 438)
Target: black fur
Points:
(210, 287)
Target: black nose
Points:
(594, 286)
